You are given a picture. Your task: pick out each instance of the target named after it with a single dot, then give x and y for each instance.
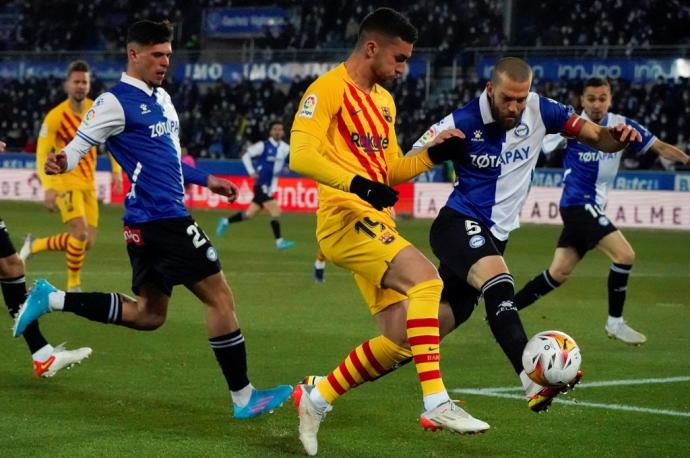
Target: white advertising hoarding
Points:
(23, 184)
(648, 209)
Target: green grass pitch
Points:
(162, 394)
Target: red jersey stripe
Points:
(378, 113)
(363, 134)
(70, 121)
(374, 130)
(344, 133)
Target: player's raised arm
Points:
(608, 140)
(670, 152)
(440, 143)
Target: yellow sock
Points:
(370, 360)
(74, 255)
(423, 334)
(57, 242)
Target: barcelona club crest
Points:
(386, 238)
(386, 114)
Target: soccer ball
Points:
(551, 358)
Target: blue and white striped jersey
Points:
(140, 127)
(589, 173)
(266, 159)
(494, 176)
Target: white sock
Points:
(432, 401)
(319, 264)
(318, 400)
(614, 321)
(241, 397)
(43, 354)
(56, 300)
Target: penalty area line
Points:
(634, 381)
(596, 405)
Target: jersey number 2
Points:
(198, 238)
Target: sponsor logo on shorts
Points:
(477, 241)
(133, 236)
(211, 254)
(386, 238)
(308, 107)
(603, 221)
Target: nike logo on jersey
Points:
(354, 112)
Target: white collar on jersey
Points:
(485, 108)
(137, 83)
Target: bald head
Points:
(512, 68)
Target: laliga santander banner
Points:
(646, 209)
(292, 194)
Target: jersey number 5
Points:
(472, 227)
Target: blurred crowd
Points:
(219, 120)
(447, 26)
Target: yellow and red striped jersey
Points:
(356, 132)
(58, 129)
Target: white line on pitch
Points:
(639, 381)
(673, 413)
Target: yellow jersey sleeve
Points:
(314, 117)
(46, 144)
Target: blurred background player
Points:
(320, 267)
(587, 178)
(269, 156)
(74, 193)
(165, 245)
(47, 360)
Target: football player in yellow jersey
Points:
(343, 136)
(74, 193)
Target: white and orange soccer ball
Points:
(551, 358)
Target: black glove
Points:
(450, 149)
(377, 194)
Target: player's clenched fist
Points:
(223, 187)
(377, 194)
(56, 163)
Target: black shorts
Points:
(169, 252)
(261, 194)
(459, 241)
(6, 247)
(583, 227)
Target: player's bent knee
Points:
(560, 275)
(627, 258)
